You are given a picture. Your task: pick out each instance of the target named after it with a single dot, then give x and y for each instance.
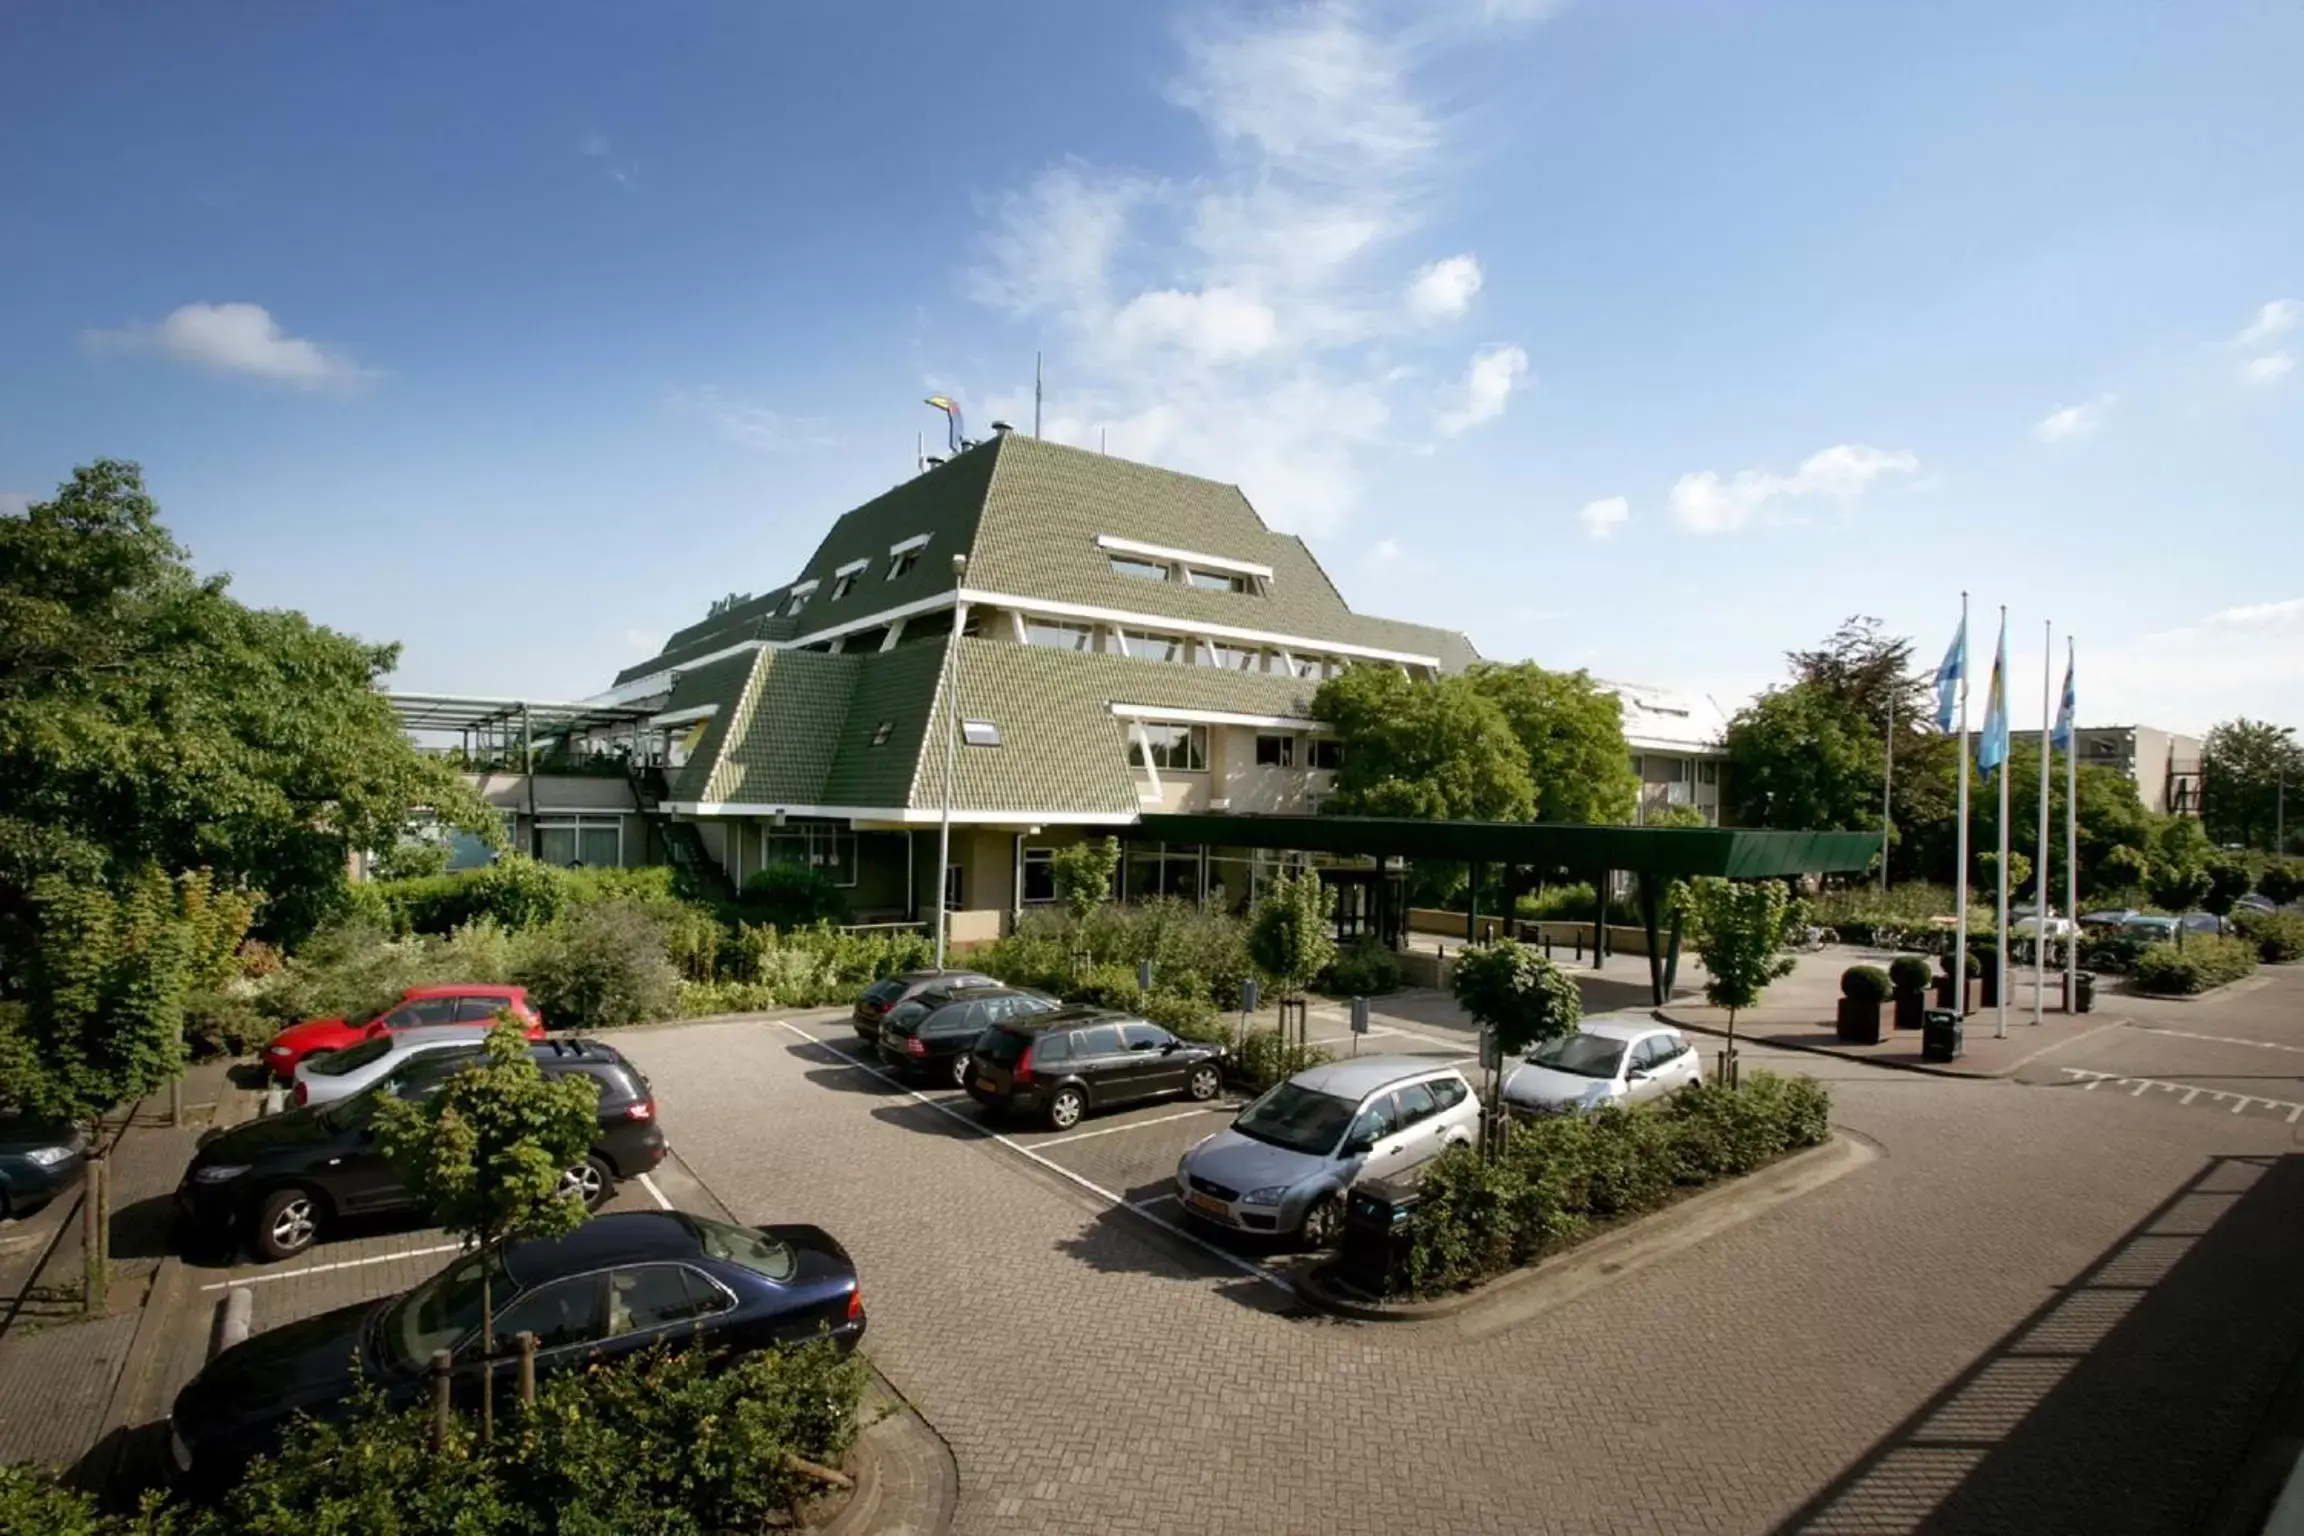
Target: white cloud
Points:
(640, 642)
(1602, 518)
(1383, 553)
(238, 338)
(2257, 615)
(1706, 503)
(2067, 422)
(751, 425)
(2277, 318)
(1257, 321)
(1488, 384)
(1444, 290)
(2271, 368)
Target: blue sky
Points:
(1652, 336)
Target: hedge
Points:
(2203, 961)
(2278, 936)
(1480, 1217)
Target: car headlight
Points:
(47, 1157)
(1270, 1194)
(218, 1173)
(277, 1050)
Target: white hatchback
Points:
(1608, 1061)
(333, 1075)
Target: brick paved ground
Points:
(1985, 1328)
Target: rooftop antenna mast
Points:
(919, 453)
(1035, 394)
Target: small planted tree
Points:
(1292, 934)
(488, 1158)
(2178, 888)
(1739, 931)
(2228, 881)
(1520, 998)
(2281, 882)
(1083, 875)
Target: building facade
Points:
(1678, 749)
(2164, 765)
(1120, 639)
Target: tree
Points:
(486, 1158)
(2122, 868)
(1799, 758)
(1988, 870)
(1867, 672)
(787, 894)
(1442, 751)
(1292, 933)
(2228, 881)
(1520, 998)
(146, 717)
(108, 978)
(1739, 931)
(2281, 883)
(412, 858)
(2178, 887)
(1083, 875)
(1573, 733)
(2242, 767)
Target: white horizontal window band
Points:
(1122, 546)
(906, 815)
(1161, 712)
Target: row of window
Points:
(1184, 650)
(1184, 749)
(903, 559)
(1188, 575)
(1675, 770)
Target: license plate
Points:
(1207, 1203)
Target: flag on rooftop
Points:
(951, 410)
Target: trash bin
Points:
(2083, 992)
(1373, 1256)
(1940, 1035)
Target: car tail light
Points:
(303, 1092)
(856, 1305)
(913, 1047)
(645, 1109)
(1023, 1072)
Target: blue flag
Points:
(1948, 676)
(1992, 746)
(2061, 737)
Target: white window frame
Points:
(1195, 741)
(980, 733)
(1181, 655)
(578, 823)
(801, 592)
(1044, 858)
(1113, 544)
(1085, 633)
(1167, 572)
(1286, 752)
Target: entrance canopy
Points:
(1738, 853)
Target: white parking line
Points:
(2185, 1034)
(654, 1193)
(2187, 1091)
(1134, 1125)
(1256, 1271)
(322, 1269)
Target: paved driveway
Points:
(2043, 1308)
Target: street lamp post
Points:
(951, 752)
(2280, 798)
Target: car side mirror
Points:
(1636, 1075)
(1359, 1146)
(1170, 1047)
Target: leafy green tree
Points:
(1739, 930)
(2121, 868)
(1292, 933)
(487, 1158)
(2228, 881)
(108, 982)
(1083, 875)
(146, 717)
(412, 858)
(2178, 887)
(2281, 883)
(1988, 871)
(1440, 750)
(1514, 991)
(2179, 840)
(786, 894)
(1799, 758)
(1867, 671)
(2243, 764)
(1573, 733)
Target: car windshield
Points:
(884, 989)
(1298, 1118)
(907, 1014)
(351, 1058)
(756, 1251)
(438, 1313)
(1584, 1055)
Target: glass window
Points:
(1585, 1055)
(756, 1251)
(901, 565)
(1059, 637)
(1377, 1121)
(1183, 748)
(1276, 751)
(1306, 666)
(1144, 646)
(799, 601)
(480, 1010)
(1144, 1037)
(564, 1312)
(556, 843)
(1099, 1040)
(1233, 658)
(1056, 1045)
(1295, 1117)
(1145, 570)
(1708, 772)
(1005, 1047)
(1448, 1092)
(429, 1010)
(1219, 581)
(842, 585)
(1039, 875)
(437, 1313)
(954, 883)
(882, 731)
(1416, 1103)
(1675, 770)
(657, 1295)
(980, 733)
(1325, 752)
(599, 846)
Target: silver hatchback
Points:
(1288, 1158)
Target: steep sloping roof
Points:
(785, 730)
(1658, 719)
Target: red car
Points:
(417, 1005)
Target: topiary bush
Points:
(1364, 968)
(2202, 962)
(1910, 973)
(1865, 984)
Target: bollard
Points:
(234, 1319)
(1547, 943)
(1579, 946)
(528, 1370)
(439, 1401)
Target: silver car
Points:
(1608, 1061)
(1287, 1159)
(334, 1075)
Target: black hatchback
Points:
(881, 998)
(279, 1181)
(929, 1036)
(1065, 1063)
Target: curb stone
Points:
(1926, 1068)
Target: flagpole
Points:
(2000, 955)
(1887, 792)
(1960, 879)
(2071, 844)
(2040, 886)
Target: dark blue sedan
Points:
(39, 1159)
(616, 1285)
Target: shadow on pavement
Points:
(1121, 1241)
(2127, 1400)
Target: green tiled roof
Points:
(783, 732)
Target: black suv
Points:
(279, 1180)
(1064, 1063)
(880, 998)
(930, 1035)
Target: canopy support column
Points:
(1657, 996)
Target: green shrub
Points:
(2110, 949)
(650, 885)
(1612, 1162)
(1469, 1223)
(1028, 957)
(1266, 1058)
(599, 967)
(1107, 986)
(34, 1503)
(2203, 961)
(2278, 936)
(1186, 1015)
(792, 895)
(1910, 973)
(1865, 984)
(1364, 968)
(516, 891)
(699, 999)
(410, 859)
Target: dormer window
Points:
(1184, 567)
(844, 579)
(904, 557)
(1219, 581)
(800, 595)
(1142, 570)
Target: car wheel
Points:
(590, 1181)
(287, 1223)
(1205, 1082)
(1065, 1109)
(1324, 1222)
(960, 1070)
